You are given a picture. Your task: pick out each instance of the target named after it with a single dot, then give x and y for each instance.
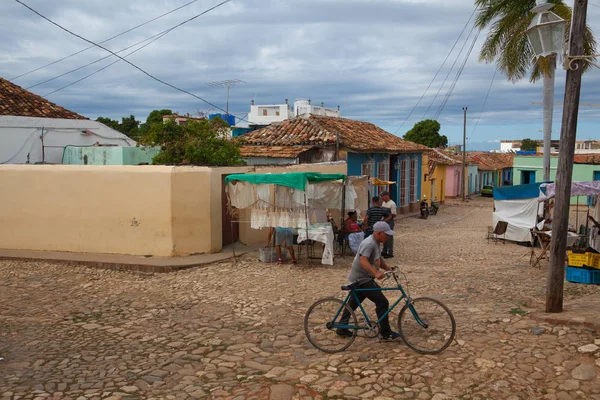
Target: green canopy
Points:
(295, 180)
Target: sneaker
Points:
(390, 336)
(344, 332)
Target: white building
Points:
(268, 113)
(35, 130)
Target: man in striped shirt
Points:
(374, 214)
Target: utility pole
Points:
(568, 133)
(464, 161)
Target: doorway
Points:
(230, 225)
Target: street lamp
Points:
(546, 33)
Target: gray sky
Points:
(374, 58)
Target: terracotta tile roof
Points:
(593, 159)
(16, 101)
(445, 158)
(491, 161)
(274, 151)
(321, 131)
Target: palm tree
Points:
(507, 46)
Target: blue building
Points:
(367, 149)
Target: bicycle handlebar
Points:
(389, 274)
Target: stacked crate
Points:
(583, 267)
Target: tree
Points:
(154, 117)
(197, 142)
(507, 46)
(112, 123)
(427, 132)
(528, 145)
(128, 126)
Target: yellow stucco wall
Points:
(138, 210)
(439, 176)
(96, 209)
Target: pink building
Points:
(453, 171)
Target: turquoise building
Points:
(530, 169)
(108, 155)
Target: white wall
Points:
(22, 136)
(274, 113)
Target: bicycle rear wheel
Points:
(320, 328)
(440, 325)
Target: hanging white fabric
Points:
(322, 234)
(242, 194)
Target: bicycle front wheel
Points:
(438, 330)
(320, 326)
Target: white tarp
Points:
(521, 215)
(22, 136)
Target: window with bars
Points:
(413, 180)
(369, 170)
(383, 173)
(404, 183)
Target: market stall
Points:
(297, 200)
(590, 189)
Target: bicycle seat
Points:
(350, 286)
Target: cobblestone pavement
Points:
(235, 331)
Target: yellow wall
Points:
(138, 210)
(97, 209)
(439, 174)
(440, 183)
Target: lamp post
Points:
(546, 36)
(574, 64)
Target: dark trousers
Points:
(376, 296)
(388, 247)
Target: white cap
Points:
(383, 227)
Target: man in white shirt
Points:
(388, 247)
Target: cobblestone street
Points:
(236, 330)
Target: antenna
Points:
(226, 84)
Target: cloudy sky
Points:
(373, 58)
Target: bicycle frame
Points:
(353, 293)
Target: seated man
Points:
(364, 270)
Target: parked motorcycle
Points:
(424, 209)
(434, 207)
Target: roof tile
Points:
(274, 151)
(318, 130)
(16, 101)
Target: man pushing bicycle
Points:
(365, 272)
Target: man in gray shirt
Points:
(364, 271)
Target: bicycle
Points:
(430, 331)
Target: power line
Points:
(484, 102)
(96, 61)
(458, 74)
(152, 39)
(438, 71)
(103, 68)
(449, 72)
(127, 61)
(106, 40)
